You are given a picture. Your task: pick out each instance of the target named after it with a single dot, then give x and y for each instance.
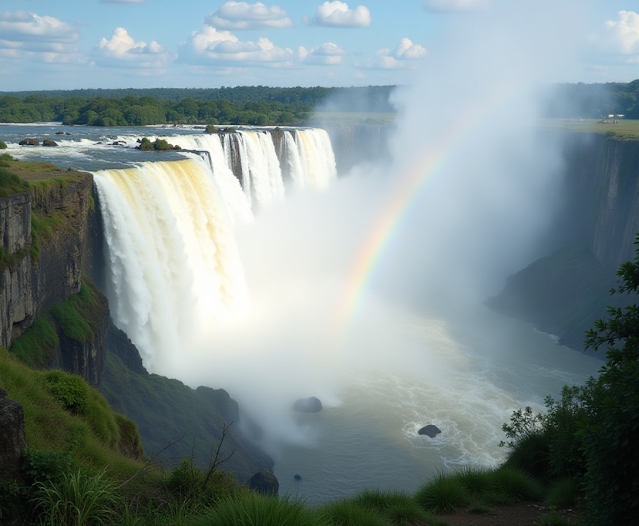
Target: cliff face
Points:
(602, 183)
(566, 291)
(46, 239)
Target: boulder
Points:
(308, 405)
(264, 483)
(59, 133)
(49, 142)
(12, 438)
(430, 430)
(29, 142)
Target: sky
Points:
(71, 44)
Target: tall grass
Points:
(442, 494)
(350, 513)
(396, 506)
(252, 509)
(78, 499)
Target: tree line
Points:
(256, 105)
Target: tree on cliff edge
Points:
(610, 436)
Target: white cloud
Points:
(328, 54)
(338, 14)
(241, 15)
(22, 27)
(625, 33)
(123, 52)
(441, 6)
(402, 56)
(212, 47)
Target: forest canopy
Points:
(255, 105)
(262, 105)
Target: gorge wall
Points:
(46, 243)
(565, 291)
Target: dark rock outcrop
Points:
(49, 142)
(264, 483)
(12, 438)
(119, 344)
(430, 430)
(29, 142)
(308, 405)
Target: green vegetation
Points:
(256, 105)
(10, 183)
(157, 145)
(76, 318)
(590, 434)
(3, 145)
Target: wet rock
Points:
(430, 430)
(297, 477)
(49, 142)
(308, 405)
(264, 483)
(29, 142)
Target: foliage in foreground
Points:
(591, 433)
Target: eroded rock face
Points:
(264, 483)
(29, 142)
(12, 438)
(308, 405)
(30, 284)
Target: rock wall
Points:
(602, 193)
(45, 270)
(566, 291)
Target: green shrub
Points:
(45, 465)
(563, 493)
(145, 145)
(515, 484)
(77, 499)
(14, 505)
(69, 389)
(442, 494)
(3, 145)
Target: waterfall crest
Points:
(173, 266)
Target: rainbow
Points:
(413, 183)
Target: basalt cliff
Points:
(567, 289)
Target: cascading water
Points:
(173, 265)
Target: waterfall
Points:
(173, 267)
(172, 260)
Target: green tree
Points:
(611, 434)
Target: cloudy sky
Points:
(69, 44)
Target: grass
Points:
(78, 499)
(623, 130)
(77, 318)
(563, 493)
(98, 432)
(251, 509)
(442, 494)
(355, 118)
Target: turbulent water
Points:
(217, 286)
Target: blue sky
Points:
(67, 44)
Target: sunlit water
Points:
(466, 377)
